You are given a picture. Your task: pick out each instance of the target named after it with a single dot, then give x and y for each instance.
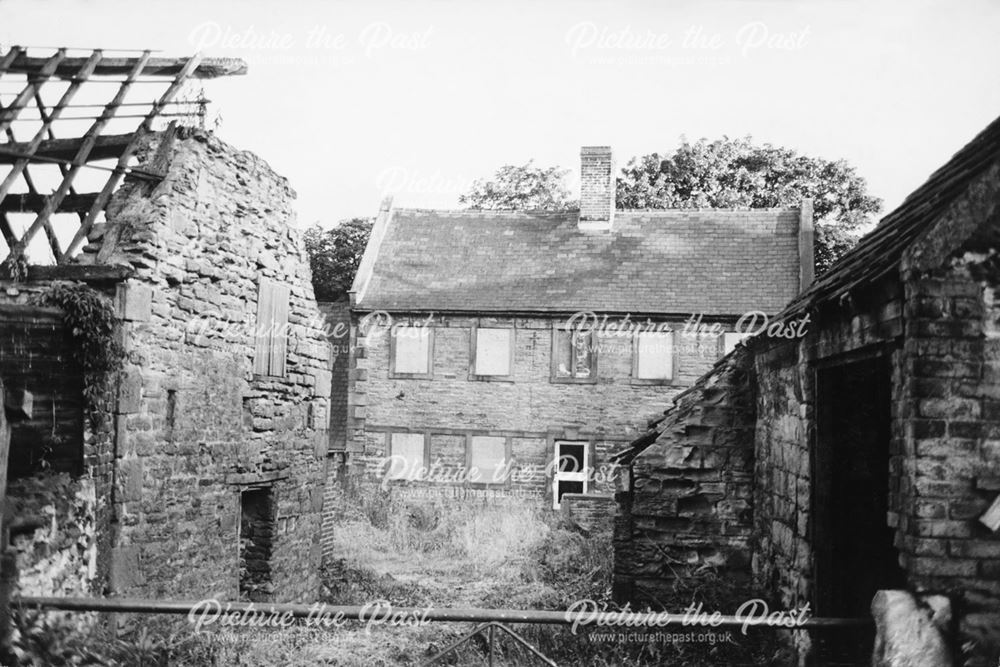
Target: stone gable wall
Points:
(195, 425)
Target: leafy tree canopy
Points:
(519, 188)
(736, 173)
(334, 255)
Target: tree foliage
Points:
(520, 187)
(334, 256)
(736, 173)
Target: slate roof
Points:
(880, 251)
(665, 262)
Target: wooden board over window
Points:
(493, 352)
(272, 328)
(407, 454)
(489, 456)
(653, 358)
(411, 351)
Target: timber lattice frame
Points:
(71, 155)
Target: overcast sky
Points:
(355, 100)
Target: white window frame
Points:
(558, 476)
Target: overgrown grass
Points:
(440, 554)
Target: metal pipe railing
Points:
(472, 615)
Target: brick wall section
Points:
(689, 493)
(338, 327)
(195, 426)
(597, 184)
(950, 461)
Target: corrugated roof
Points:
(677, 261)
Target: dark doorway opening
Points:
(256, 543)
(852, 542)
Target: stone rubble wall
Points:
(786, 414)
(688, 503)
(58, 505)
(194, 425)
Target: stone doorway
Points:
(257, 526)
(852, 542)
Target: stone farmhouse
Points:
(504, 354)
(862, 457)
(203, 475)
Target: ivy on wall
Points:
(92, 322)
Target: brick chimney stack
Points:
(597, 188)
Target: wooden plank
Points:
(6, 574)
(90, 138)
(278, 342)
(265, 319)
(9, 58)
(33, 203)
(102, 199)
(208, 68)
(105, 147)
(48, 66)
(62, 167)
(29, 148)
(6, 230)
(82, 272)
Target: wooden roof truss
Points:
(71, 155)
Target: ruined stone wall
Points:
(785, 432)
(687, 504)
(195, 424)
(59, 475)
(783, 475)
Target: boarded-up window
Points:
(493, 351)
(654, 356)
(411, 350)
(406, 455)
(272, 328)
(488, 456)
